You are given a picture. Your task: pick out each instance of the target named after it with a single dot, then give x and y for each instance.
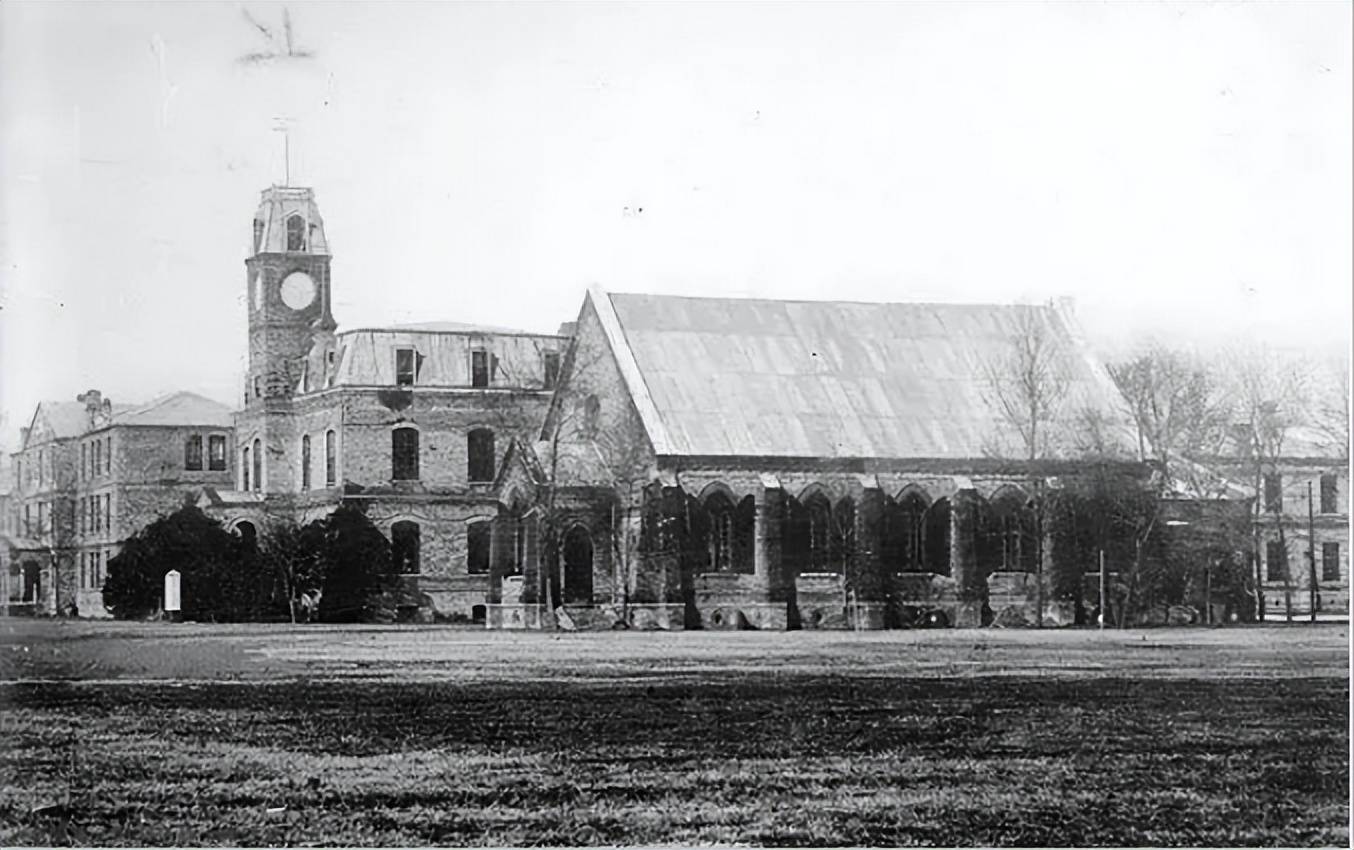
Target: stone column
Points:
(767, 545)
(964, 557)
(868, 568)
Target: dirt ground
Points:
(184, 734)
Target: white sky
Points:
(1183, 171)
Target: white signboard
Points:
(172, 590)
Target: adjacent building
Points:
(88, 475)
(1300, 521)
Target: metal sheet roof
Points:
(177, 410)
(746, 377)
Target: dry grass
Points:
(443, 737)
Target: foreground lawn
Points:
(416, 737)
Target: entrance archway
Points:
(578, 566)
(32, 578)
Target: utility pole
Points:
(1103, 613)
(1311, 554)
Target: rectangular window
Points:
(1273, 493)
(192, 453)
(108, 457)
(108, 512)
(330, 459)
(404, 546)
(216, 453)
(84, 460)
(480, 455)
(1330, 562)
(479, 368)
(28, 520)
(244, 468)
(404, 454)
(551, 370)
(479, 535)
(305, 462)
(1329, 491)
(406, 367)
(1276, 561)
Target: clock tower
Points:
(290, 325)
(288, 297)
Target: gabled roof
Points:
(177, 410)
(826, 379)
(65, 418)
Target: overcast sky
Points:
(1183, 171)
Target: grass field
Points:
(189, 735)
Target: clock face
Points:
(298, 290)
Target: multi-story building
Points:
(88, 475)
(1301, 524)
(411, 422)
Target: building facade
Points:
(1300, 523)
(410, 422)
(88, 475)
(720, 463)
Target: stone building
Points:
(88, 475)
(725, 463)
(1302, 511)
(410, 422)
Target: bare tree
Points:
(1180, 412)
(1270, 391)
(1331, 412)
(1028, 385)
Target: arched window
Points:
(820, 523)
(404, 546)
(480, 455)
(249, 536)
(478, 549)
(296, 233)
(404, 454)
(721, 532)
(330, 459)
(305, 462)
(258, 464)
(258, 234)
(244, 470)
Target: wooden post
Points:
(1102, 590)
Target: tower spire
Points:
(283, 126)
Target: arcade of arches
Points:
(850, 536)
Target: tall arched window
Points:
(258, 464)
(480, 455)
(244, 470)
(820, 523)
(330, 459)
(296, 233)
(404, 454)
(305, 462)
(258, 235)
(721, 532)
(404, 546)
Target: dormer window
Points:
(296, 233)
(258, 234)
(406, 367)
(551, 370)
(479, 368)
